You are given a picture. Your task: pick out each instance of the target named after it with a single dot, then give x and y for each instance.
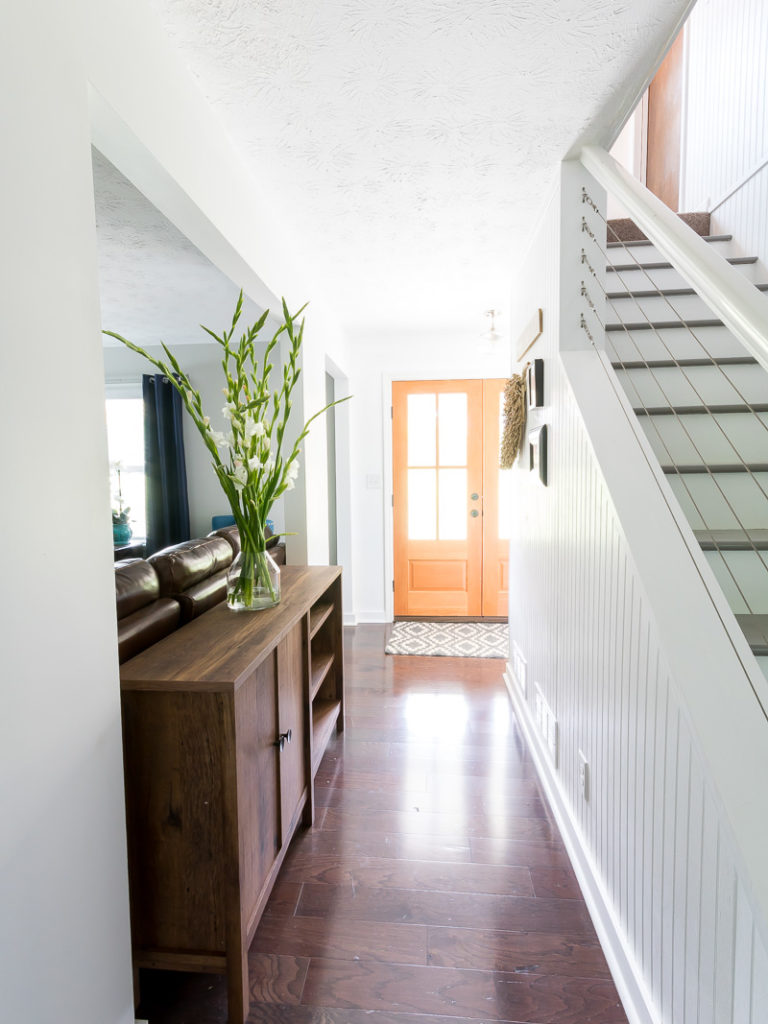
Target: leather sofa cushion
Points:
(231, 534)
(201, 596)
(278, 553)
(136, 585)
(183, 565)
(146, 626)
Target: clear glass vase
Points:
(253, 581)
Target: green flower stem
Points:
(254, 572)
(248, 461)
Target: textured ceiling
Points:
(408, 144)
(154, 285)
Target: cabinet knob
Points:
(283, 738)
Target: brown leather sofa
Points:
(275, 546)
(194, 573)
(174, 586)
(143, 616)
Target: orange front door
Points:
(439, 469)
(496, 510)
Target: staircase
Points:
(703, 404)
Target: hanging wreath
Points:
(514, 420)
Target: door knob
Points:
(283, 738)
(474, 496)
(474, 513)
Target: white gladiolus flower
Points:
(293, 470)
(206, 421)
(240, 475)
(221, 440)
(254, 428)
(228, 411)
(289, 484)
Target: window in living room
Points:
(125, 437)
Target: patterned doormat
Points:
(450, 639)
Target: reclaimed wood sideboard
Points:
(224, 725)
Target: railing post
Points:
(582, 265)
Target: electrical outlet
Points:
(583, 775)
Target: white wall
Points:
(635, 659)
(63, 887)
(64, 925)
(725, 167)
(377, 360)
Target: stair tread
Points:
(664, 265)
(662, 325)
(732, 540)
(647, 241)
(700, 410)
(660, 364)
(755, 629)
(650, 293)
(721, 467)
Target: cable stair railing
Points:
(701, 399)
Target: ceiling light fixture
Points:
(491, 338)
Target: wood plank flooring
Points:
(434, 887)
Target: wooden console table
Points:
(224, 725)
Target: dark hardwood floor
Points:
(434, 887)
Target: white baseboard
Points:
(349, 619)
(632, 989)
(373, 616)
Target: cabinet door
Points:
(292, 712)
(257, 827)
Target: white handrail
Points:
(742, 308)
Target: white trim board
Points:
(632, 990)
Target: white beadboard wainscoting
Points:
(725, 165)
(646, 674)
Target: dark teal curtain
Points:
(164, 465)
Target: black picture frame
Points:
(535, 384)
(537, 451)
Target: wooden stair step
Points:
(755, 629)
(732, 540)
(633, 243)
(735, 261)
(663, 364)
(700, 410)
(624, 228)
(652, 293)
(662, 325)
(724, 467)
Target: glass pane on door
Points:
(452, 420)
(422, 504)
(422, 435)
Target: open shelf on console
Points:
(318, 615)
(324, 716)
(322, 663)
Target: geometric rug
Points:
(450, 639)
